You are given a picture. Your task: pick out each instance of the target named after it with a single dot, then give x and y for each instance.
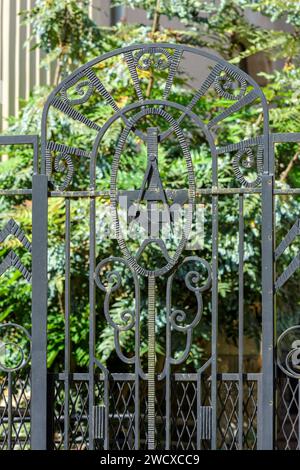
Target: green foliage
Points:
(66, 33)
(187, 10)
(288, 10)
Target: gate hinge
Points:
(205, 422)
(99, 422)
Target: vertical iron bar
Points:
(39, 312)
(214, 338)
(152, 152)
(259, 413)
(137, 370)
(275, 376)
(151, 362)
(241, 320)
(168, 369)
(92, 319)
(50, 409)
(67, 326)
(9, 412)
(298, 408)
(267, 311)
(106, 405)
(168, 407)
(199, 402)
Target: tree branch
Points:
(156, 18)
(292, 162)
(154, 29)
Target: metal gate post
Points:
(39, 313)
(267, 418)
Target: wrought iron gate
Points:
(146, 403)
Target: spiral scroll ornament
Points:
(156, 58)
(113, 283)
(177, 318)
(84, 89)
(246, 159)
(193, 283)
(288, 352)
(110, 281)
(15, 347)
(63, 163)
(228, 82)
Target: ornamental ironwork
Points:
(152, 400)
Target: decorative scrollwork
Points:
(157, 58)
(13, 353)
(192, 278)
(288, 352)
(128, 317)
(80, 90)
(113, 283)
(246, 159)
(63, 163)
(176, 317)
(229, 80)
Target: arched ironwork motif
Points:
(62, 160)
(228, 81)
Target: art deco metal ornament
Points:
(288, 351)
(229, 83)
(154, 402)
(13, 340)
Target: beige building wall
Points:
(19, 66)
(20, 69)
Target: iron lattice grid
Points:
(183, 420)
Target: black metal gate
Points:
(142, 402)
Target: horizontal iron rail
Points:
(25, 419)
(18, 140)
(77, 376)
(170, 193)
(15, 192)
(285, 137)
(105, 194)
